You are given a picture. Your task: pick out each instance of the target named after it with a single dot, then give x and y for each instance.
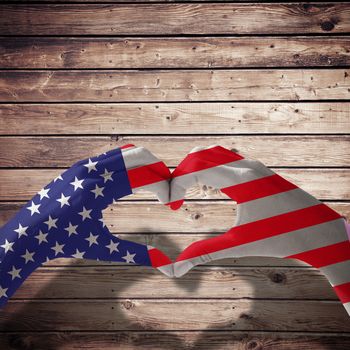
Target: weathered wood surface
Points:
(324, 183)
(174, 85)
(211, 217)
(175, 118)
(63, 151)
(202, 282)
(237, 78)
(175, 314)
(178, 52)
(219, 18)
(175, 340)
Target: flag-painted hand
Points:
(64, 219)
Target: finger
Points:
(210, 166)
(146, 172)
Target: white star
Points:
(91, 165)
(51, 222)
(7, 246)
(28, 256)
(34, 208)
(77, 183)
(63, 200)
(71, 229)
(59, 177)
(103, 223)
(21, 230)
(43, 193)
(107, 175)
(85, 213)
(41, 237)
(92, 239)
(98, 191)
(3, 292)
(15, 273)
(113, 247)
(58, 248)
(129, 258)
(78, 255)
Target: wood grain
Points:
(178, 52)
(157, 340)
(219, 18)
(326, 184)
(202, 282)
(174, 85)
(186, 314)
(288, 150)
(210, 217)
(175, 118)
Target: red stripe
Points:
(262, 229)
(158, 258)
(148, 174)
(258, 188)
(324, 256)
(343, 292)
(127, 146)
(205, 159)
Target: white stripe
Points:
(290, 243)
(273, 205)
(220, 176)
(160, 189)
(338, 273)
(167, 270)
(347, 307)
(138, 156)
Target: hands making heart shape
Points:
(275, 217)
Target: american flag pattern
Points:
(64, 219)
(275, 217)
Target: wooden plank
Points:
(219, 18)
(288, 150)
(175, 118)
(202, 282)
(174, 85)
(326, 184)
(210, 217)
(185, 52)
(186, 314)
(157, 340)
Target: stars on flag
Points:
(129, 258)
(63, 200)
(85, 213)
(21, 230)
(77, 183)
(28, 256)
(92, 239)
(107, 175)
(98, 191)
(113, 247)
(91, 166)
(15, 273)
(34, 208)
(71, 229)
(78, 254)
(44, 193)
(58, 248)
(51, 222)
(41, 237)
(7, 246)
(3, 292)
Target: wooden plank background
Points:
(270, 80)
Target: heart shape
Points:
(275, 217)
